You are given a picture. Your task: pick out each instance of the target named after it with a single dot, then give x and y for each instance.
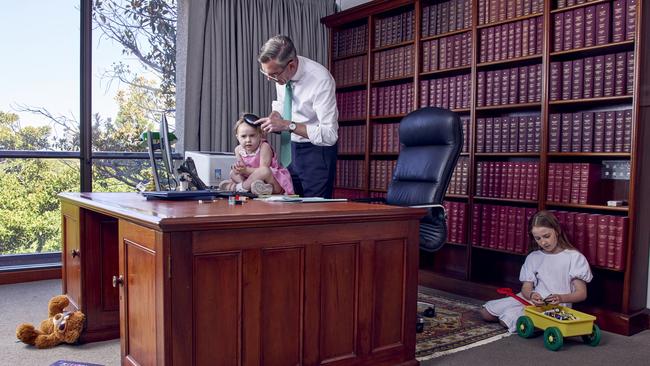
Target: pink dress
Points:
(280, 173)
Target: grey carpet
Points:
(27, 302)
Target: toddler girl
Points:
(256, 168)
(553, 273)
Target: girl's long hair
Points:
(547, 219)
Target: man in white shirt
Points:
(306, 94)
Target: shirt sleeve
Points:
(325, 133)
(528, 271)
(580, 268)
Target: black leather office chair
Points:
(431, 140)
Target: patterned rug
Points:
(456, 326)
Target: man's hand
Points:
(273, 123)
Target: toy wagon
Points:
(558, 322)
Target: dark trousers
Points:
(313, 169)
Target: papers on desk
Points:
(293, 199)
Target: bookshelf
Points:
(552, 95)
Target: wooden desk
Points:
(258, 284)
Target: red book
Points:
(567, 43)
(610, 125)
(503, 219)
(576, 132)
(558, 28)
(567, 182)
(599, 76)
(630, 31)
(567, 81)
(521, 231)
(578, 28)
(620, 242)
(603, 239)
(619, 26)
(630, 72)
(590, 26)
(602, 24)
(550, 188)
(511, 229)
(475, 235)
(579, 232)
(577, 79)
(556, 81)
(588, 76)
(590, 190)
(611, 243)
(599, 131)
(587, 131)
(627, 130)
(592, 238)
(619, 123)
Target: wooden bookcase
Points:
(382, 67)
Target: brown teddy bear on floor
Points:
(60, 326)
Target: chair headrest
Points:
(417, 129)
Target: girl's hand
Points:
(239, 167)
(536, 299)
(553, 299)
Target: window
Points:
(42, 139)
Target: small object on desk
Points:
(616, 203)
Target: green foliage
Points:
(28, 203)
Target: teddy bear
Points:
(60, 326)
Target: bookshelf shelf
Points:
(350, 86)
(394, 45)
(518, 60)
(508, 154)
(453, 70)
(498, 250)
(460, 196)
(393, 116)
(594, 50)
(511, 200)
(609, 100)
(443, 35)
(350, 56)
(384, 154)
(351, 154)
(386, 81)
(511, 20)
(352, 120)
(594, 2)
(536, 127)
(590, 154)
(510, 107)
(589, 207)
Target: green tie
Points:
(285, 136)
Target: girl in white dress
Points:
(554, 273)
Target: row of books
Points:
(606, 131)
(602, 239)
(351, 104)
(578, 183)
(446, 16)
(456, 221)
(450, 92)
(391, 100)
(509, 86)
(350, 71)
(395, 29)
(511, 40)
(507, 179)
(448, 52)
(352, 139)
(460, 177)
(350, 41)
(385, 138)
(491, 11)
(350, 173)
(350, 194)
(566, 3)
(593, 77)
(381, 173)
(501, 227)
(519, 134)
(393, 63)
(594, 25)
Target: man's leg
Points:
(316, 168)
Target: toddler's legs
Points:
(487, 316)
(264, 174)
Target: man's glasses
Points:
(275, 76)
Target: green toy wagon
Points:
(558, 322)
